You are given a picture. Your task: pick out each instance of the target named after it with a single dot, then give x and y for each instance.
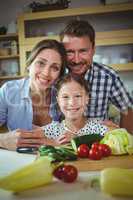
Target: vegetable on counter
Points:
(58, 153)
(83, 151)
(66, 173)
(38, 173)
(85, 139)
(119, 140)
(117, 181)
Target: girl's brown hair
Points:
(68, 78)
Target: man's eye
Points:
(70, 52)
(84, 51)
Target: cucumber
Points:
(85, 139)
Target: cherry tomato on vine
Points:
(83, 151)
(105, 149)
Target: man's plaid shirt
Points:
(105, 87)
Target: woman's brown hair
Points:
(48, 44)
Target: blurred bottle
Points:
(14, 49)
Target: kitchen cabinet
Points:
(9, 57)
(113, 25)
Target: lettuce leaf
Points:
(119, 140)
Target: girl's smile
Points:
(72, 99)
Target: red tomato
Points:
(66, 173)
(95, 145)
(95, 154)
(83, 151)
(105, 149)
(58, 172)
(70, 173)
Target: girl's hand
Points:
(65, 138)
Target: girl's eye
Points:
(78, 96)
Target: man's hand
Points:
(111, 125)
(126, 120)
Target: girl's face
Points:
(72, 99)
(45, 69)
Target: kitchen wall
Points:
(10, 9)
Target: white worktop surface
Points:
(80, 190)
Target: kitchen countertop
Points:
(125, 161)
(10, 161)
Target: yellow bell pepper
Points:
(33, 175)
(117, 181)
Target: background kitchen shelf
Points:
(113, 25)
(8, 36)
(9, 56)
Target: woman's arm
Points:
(9, 140)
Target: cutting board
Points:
(124, 161)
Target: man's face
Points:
(80, 53)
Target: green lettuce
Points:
(119, 140)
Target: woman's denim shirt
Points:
(16, 105)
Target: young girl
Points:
(72, 98)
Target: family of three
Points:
(51, 105)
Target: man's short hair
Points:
(79, 28)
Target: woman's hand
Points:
(22, 138)
(34, 138)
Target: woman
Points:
(30, 102)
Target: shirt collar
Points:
(89, 72)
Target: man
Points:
(105, 85)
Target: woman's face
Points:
(45, 69)
(72, 99)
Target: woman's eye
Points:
(65, 97)
(55, 68)
(40, 63)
